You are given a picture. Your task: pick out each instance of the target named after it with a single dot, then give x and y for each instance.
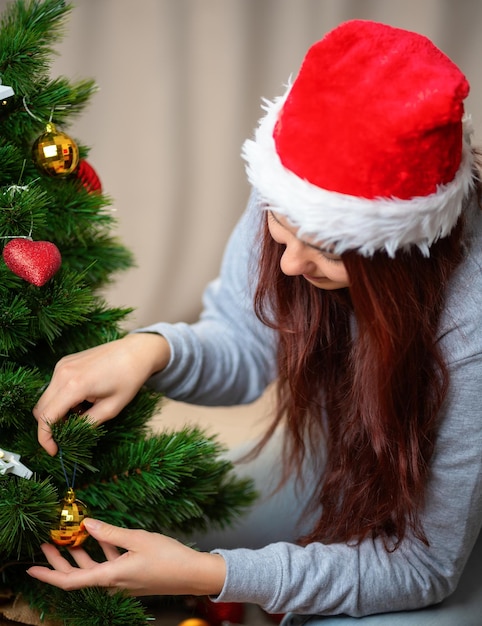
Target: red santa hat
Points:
(368, 148)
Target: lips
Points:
(314, 278)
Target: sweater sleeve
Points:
(227, 357)
(365, 579)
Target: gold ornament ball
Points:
(194, 621)
(70, 530)
(55, 153)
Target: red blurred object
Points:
(275, 617)
(218, 612)
(88, 176)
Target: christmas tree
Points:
(58, 252)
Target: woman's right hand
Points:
(107, 376)
(149, 564)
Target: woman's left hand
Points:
(152, 564)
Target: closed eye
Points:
(324, 252)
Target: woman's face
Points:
(317, 265)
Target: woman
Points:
(354, 280)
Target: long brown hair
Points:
(361, 376)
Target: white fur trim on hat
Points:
(349, 222)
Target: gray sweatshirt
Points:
(228, 357)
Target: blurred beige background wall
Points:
(181, 83)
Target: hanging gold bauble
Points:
(194, 621)
(55, 153)
(69, 529)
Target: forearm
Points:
(228, 356)
(212, 366)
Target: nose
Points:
(295, 260)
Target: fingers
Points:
(97, 413)
(63, 575)
(45, 437)
(60, 399)
(56, 560)
(53, 405)
(62, 394)
(61, 564)
(110, 536)
(82, 559)
(89, 573)
(75, 578)
(111, 553)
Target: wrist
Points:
(209, 574)
(153, 348)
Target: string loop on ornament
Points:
(35, 117)
(71, 486)
(69, 530)
(52, 111)
(32, 115)
(11, 191)
(28, 237)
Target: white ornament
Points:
(5, 91)
(10, 464)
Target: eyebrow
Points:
(306, 243)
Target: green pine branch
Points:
(178, 477)
(169, 482)
(27, 511)
(29, 30)
(92, 607)
(81, 215)
(100, 261)
(12, 159)
(18, 393)
(15, 338)
(23, 212)
(65, 302)
(77, 439)
(132, 423)
(100, 326)
(59, 102)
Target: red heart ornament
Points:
(34, 261)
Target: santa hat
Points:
(367, 149)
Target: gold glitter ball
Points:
(70, 530)
(55, 153)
